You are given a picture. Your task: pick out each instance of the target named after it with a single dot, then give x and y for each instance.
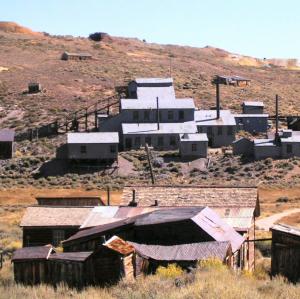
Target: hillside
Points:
(27, 56)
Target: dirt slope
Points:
(70, 85)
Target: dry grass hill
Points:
(29, 56)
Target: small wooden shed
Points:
(34, 87)
(285, 258)
(7, 137)
(30, 264)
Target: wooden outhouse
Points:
(7, 137)
(285, 259)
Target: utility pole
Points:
(150, 164)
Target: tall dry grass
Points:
(210, 280)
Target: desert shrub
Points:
(171, 271)
(282, 199)
(211, 263)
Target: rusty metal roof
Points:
(172, 196)
(7, 135)
(71, 256)
(32, 253)
(184, 252)
(117, 244)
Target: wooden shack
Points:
(88, 201)
(105, 266)
(76, 56)
(30, 264)
(285, 259)
(7, 137)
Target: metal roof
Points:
(168, 215)
(294, 138)
(109, 214)
(218, 229)
(184, 252)
(151, 103)
(153, 80)
(264, 142)
(54, 216)
(99, 230)
(164, 128)
(117, 244)
(193, 137)
(7, 135)
(211, 196)
(78, 54)
(32, 253)
(71, 256)
(209, 118)
(286, 229)
(97, 137)
(253, 103)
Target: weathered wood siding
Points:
(30, 272)
(285, 255)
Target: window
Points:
(172, 140)
(289, 149)
(194, 147)
(137, 141)
(58, 236)
(170, 115)
(229, 131)
(146, 115)
(148, 140)
(135, 115)
(112, 148)
(181, 115)
(220, 131)
(83, 149)
(160, 141)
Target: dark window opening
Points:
(160, 141)
(289, 148)
(170, 115)
(135, 115)
(58, 236)
(172, 140)
(181, 115)
(148, 140)
(194, 147)
(146, 115)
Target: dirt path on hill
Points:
(267, 222)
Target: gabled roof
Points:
(205, 218)
(32, 253)
(209, 118)
(151, 103)
(211, 196)
(164, 128)
(51, 216)
(7, 135)
(153, 80)
(95, 138)
(261, 115)
(286, 229)
(184, 252)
